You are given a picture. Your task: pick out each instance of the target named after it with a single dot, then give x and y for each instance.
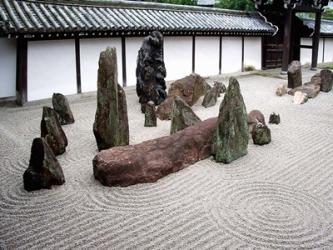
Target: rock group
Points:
(44, 169)
(232, 135)
(294, 74)
(150, 71)
(61, 106)
(111, 121)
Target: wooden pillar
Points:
(193, 54)
(21, 71)
(220, 56)
(287, 40)
(315, 41)
(78, 65)
(123, 59)
(242, 67)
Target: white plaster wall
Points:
(207, 55)
(133, 44)
(231, 54)
(252, 52)
(320, 50)
(51, 68)
(328, 49)
(7, 67)
(90, 50)
(177, 57)
(306, 54)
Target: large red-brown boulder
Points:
(154, 159)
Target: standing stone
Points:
(300, 97)
(210, 98)
(274, 118)
(150, 71)
(182, 116)
(294, 74)
(232, 132)
(261, 134)
(254, 117)
(281, 90)
(150, 115)
(220, 86)
(111, 121)
(52, 132)
(61, 106)
(44, 169)
(326, 80)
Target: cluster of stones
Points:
(44, 169)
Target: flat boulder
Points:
(52, 132)
(44, 169)
(61, 106)
(309, 88)
(326, 80)
(261, 134)
(316, 79)
(300, 97)
(294, 74)
(232, 132)
(182, 116)
(154, 159)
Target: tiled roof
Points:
(30, 17)
(326, 26)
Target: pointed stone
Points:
(232, 132)
(221, 87)
(182, 116)
(326, 80)
(61, 106)
(274, 118)
(294, 74)
(210, 98)
(261, 134)
(150, 115)
(52, 132)
(44, 169)
(111, 121)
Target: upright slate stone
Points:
(61, 106)
(221, 87)
(232, 132)
(44, 169)
(150, 115)
(326, 80)
(111, 121)
(210, 97)
(294, 74)
(52, 132)
(182, 116)
(150, 71)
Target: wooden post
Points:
(21, 71)
(315, 41)
(286, 40)
(242, 67)
(78, 65)
(193, 54)
(123, 59)
(220, 56)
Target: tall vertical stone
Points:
(326, 80)
(294, 74)
(61, 106)
(150, 115)
(52, 132)
(150, 71)
(232, 136)
(111, 121)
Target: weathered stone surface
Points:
(326, 80)
(210, 98)
(151, 160)
(316, 79)
(220, 86)
(232, 133)
(111, 121)
(261, 134)
(312, 90)
(61, 106)
(182, 116)
(281, 90)
(150, 115)
(294, 74)
(44, 169)
(274, 118)
(52, 132)
(254, 117)
(300, 98)
(189, 88)
(150, 71)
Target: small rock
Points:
(261, 134)
(150, 115)
(182, 116)
(274, 118)
(52, 132)
(326, 80)
(44, 169)
(281, 90)
(254, 117)
(294, 74)
(61, 106)
(210, 98)
(220, 87)
(300, 98)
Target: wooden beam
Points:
(220, 56)
(306, 46)
(123, 60)
(193, 54)
(21, 71)
(315, 41)
(78, 65)
(287, 40)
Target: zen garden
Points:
(137, 125)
